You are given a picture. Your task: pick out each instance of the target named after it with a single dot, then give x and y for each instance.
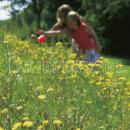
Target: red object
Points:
(82, 38)
(41, 39)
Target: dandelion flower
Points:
(78, 129)
(4, 98)
(59, 44)
(109, 74)
(50, 89)
(16, 126)
(25, 118)
(40, 127)
(57, 122)
(1, 128)
(19, 108)
(41, 97)
(122, 78)
(45, 122)
(4, 111)
(27, 124)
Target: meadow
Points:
(48, 88)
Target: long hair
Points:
(75, 17)
(62, 12)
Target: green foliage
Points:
(100, 13)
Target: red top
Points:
(82, 38)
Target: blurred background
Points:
(110, 19)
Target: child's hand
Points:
(41, 39)
(39, 31)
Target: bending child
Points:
(82, 37)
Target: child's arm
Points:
(55, 32)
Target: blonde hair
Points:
(62, 12)
(74, 16)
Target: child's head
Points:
(62, 12)
(73, 20)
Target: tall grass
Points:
(48, 88)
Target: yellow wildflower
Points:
(57, 122)
(45, 122)
(1, 128)
(41, 97)
(109, 74)
(122, 78)
(59, 44)
(119, 66)
(4, 111)
(78, 129)
(19, 108)
(40, 127)
(50, 89)
(16, 126)
(28, 124)
(4, 98)
(25, 118)
(72, 56)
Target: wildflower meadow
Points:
(47, 88)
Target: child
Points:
(82, 37)
(61, 15)
(60, 26)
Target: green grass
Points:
(126, 68)
(44, 83)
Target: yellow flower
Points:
(4, 98)
(109, 74)
(89, 102)
(4, 111)
(99, 83)
(25, 118)
(122, 78)
(59, 44)
(50, 89)
(70, 62)
(27, 124)
(57, 122)
(1, 128)
(45, 122)
(19, 108)
(41, 97)
(40, 127)
(73, 76)
(16, 126)
(18, 61)
(72, 56)
(119, 66)
(78, 129)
